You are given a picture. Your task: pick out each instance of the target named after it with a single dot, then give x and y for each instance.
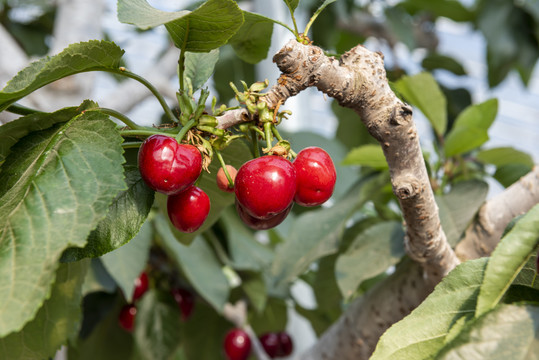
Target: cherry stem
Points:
(259, 351)
(223, 165)
(256, 151)
(128, 133)
(22, 110)
(131, 144)
(123, 71)
(219, 250)
(185, 129)
(268, 134)
(280, 138)
(118, 115)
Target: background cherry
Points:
(126, 318)
(285, 344)
(316, 176)
(222, 181)
(141, 286)
(167, 166)
(185, 301)
(261, 224)
(265, 186)
(189, 209)
(270, 343)
(237, 345)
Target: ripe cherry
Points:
(261, 224)
(270, 343)
(167, 166)
(265, 186)
(185, 301)
(189, 209)
(141, 286)
(127, 317)
(222, 180)
(237, 345)
(285, 344)
(316, 176)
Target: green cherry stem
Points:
(185, 129)
(223, 165)
(131, 144)
(22, 110)
(280, 138)
(219, 250)
(118, 115)
(268, 134)
(129, 133)
(254, 136)
(123, 71)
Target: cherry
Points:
(265, 186)
(127, 317)
(285, 344)
(270, 343)
(167, 166)
(141, 286)
(222, 181)
(185, 301)
(237, 345)
(316, 176)
(189, 209)
(261, 224)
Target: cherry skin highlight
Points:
(265, 186)
(167, 166)
(185, 301)
(222, 180)
(316, 176)
(237, 345)
(141, 286)
(127, 316)
(261, 224)
(189, 209)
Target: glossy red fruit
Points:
(127, 317)
(265, 186)
(167, 166)
(189, 209)
(222, 180)
(261, 224)
(270, 343)
(141, 286)
(185, 301)
(237, 345)
(285, 343)
(316, 176)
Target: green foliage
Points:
(252, 41)
(199, 67)
(367, 155)
(435, 61)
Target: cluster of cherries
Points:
(183, 298)
(237, 344)
(265, 187)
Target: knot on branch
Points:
(401, 115)
(407, 187)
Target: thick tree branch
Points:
(358, 81)
(232, 117)
(485, 232)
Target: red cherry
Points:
(237, 345)
(189, 209)
(127, 317)
(265, 186)
(167, 166)
(285, 344)
(270, 343)
(185, 301)
(141, 286)
(316, 176)
(222, 181)
(261, 224)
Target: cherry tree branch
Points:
(358, 81)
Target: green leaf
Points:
(507, 332)
(421, 334)
(253, 40)
(313, 235)
(206, 28)
(459, 206)
(200, 66)
(126, 215)
(423, 92)
(527, 276)
(255, 288)
(504, 156)
(15, 130)
(508, 259)
(246, 252)
(55, 186)
(372, 252)
(272, 319)
(435, 61)
(76, 58)
(56, 321)
(98, 279)
(127, 263)
(350, 130)
(470, 129)
(157, 326)
(367, 155)
(292, 5)
(451, 9)
(199, 264)
(510, 173)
